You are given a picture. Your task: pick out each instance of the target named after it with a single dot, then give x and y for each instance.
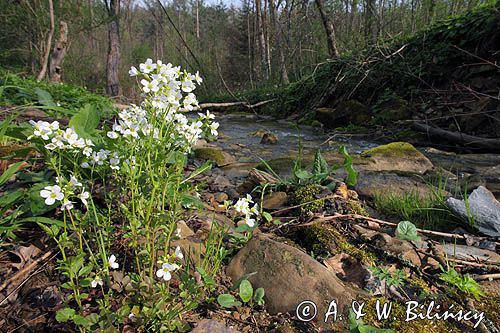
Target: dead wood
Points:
(460, 138)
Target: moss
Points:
(323, 238)
(400, 325)
(394, 149)
(214, 154)
(355, 207)
(306, 194)
(490, 304)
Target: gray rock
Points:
(483, 208)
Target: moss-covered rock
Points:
(395, 156)
(215, 154)
(308, 197)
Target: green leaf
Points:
(10, 172)
(81, 321)
(189, 201)
(227, 301)
(10, 198)
(44, 97)
(259, 296)
(320, 166)
(65, 314)
(407, 231)
(242, 228)
(302, 174)
(352, 175)
(203, 168)
(85, 121)
(42, 220)
(268, 217)
(246, 291)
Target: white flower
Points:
(213, 128)
(178, 253)
(198, 78)
(74, 182)
(207, 116)
(84, 196)
(147, 67)
(112, 262)
(68, 205)
(87, 151)
(250, 222)
(51, 194)
(133, 71)
(242, 206)
(150, 86)
(178, 232)
(164, 271)
(96, 281)
(85, 165)
(112, 135)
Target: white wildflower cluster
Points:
(64, 192)
(60, 139)
(167, 89)
(242, 206)
(166, 269)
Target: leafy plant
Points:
(246, 294)
(395, 278)
(407, 231)
(464, 283)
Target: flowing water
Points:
(237, 137)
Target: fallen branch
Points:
(244, 105)
(487, 277)
(366, 218)
(464, 139)
(21, 273)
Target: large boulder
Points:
(289, 277)
(481, 208)
(396, 157)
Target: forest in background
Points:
(241, 46)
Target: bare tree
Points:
(58, 54)
(113, 62)
(48, 44)
(329, 29)
(262, 40)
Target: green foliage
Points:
(357, 326)
(464, 283)
(428, 212)
(246, 294)
(395, 278)
(85, 121)
(407, 231)
(55, 98)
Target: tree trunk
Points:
(45, 59)
(58, 54)
(370, 23)
(113, 62)
(329, 29)
(277, 32)
(262, 40)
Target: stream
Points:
(236, 137)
